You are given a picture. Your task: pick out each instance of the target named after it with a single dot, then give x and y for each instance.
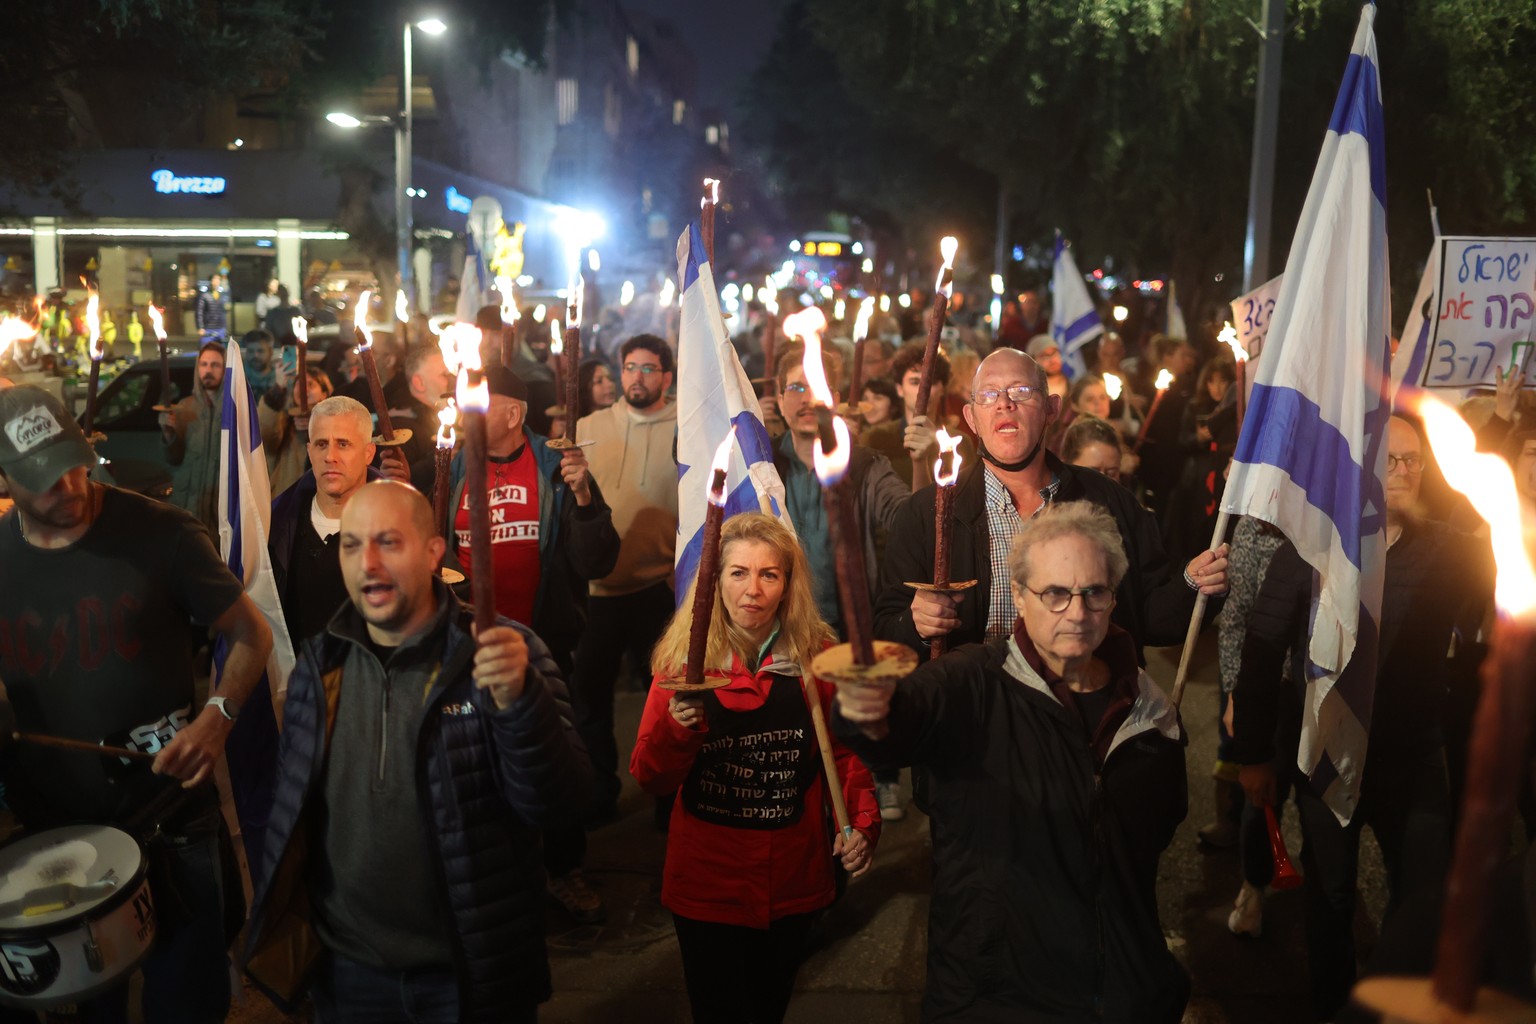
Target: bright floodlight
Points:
(343, 120)
(432, 26)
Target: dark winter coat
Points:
(1044, 859)
(488, 780)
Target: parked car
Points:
(133, 454)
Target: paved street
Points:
(868, 963)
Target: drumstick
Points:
(40, 740)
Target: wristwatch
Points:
(228, 706)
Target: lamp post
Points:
(401, 122)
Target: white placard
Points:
(1252, 313)
(1485, 311)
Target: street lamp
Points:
(402, 125)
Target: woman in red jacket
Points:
(750, 848)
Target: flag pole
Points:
(1195, 617)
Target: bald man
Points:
(419, 763)
(1015, 477)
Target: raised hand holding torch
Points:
(157, 322)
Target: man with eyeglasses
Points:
(1437, 585)
(996, 495)
(1056, 779)
(632, 462)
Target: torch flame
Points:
(93, 325)
(861, 322)
(1487, 482)
(14, 329)
(720, 464)
(472, 397)
(668, 292)
(947, 443)
(573, 308)
(300, 328)
(556, 339)
(1228, 337)
(509, 313)
(807, 326)
(37, 309)
(446, 416)
(1164, 379)
(459, 343)
(948, 246)
(402, 307)
(885, 303)
(360, 320)
(831, 467)
(627, 293)
(1112, 386)
(540, 312)
(712, 187)
(157, 321)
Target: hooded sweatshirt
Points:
(634, 465)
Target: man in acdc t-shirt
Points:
(97, 586)
(551, 534)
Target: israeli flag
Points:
(472, 283)
(1311, 456)
(1074, 319)
(245, 516)
(713, 394)
(1413, 348)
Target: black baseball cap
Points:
(502, 381)
(39, 440)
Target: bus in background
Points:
(830, 263)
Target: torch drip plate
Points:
(1412, 1001)
(402, 435)
(163, 408)
(893, 661)
(452, 577)
(96, 437)
(560, 444)
(953, 586)
(680, 684)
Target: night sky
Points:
(728, 39)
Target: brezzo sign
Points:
(169, 183)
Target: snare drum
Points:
(75, 915)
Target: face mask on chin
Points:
(1010, 467)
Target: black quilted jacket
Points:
(489, 779)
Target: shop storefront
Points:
(154, 226)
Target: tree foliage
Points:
(1128, 123)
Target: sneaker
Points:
(1247, 917)
(577, 898)
(888, 795)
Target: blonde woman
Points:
(750, 848)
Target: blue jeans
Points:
(347, 992)
(186, 976)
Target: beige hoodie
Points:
(633, 465)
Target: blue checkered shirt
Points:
(1004, 524)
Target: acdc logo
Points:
(27, 968)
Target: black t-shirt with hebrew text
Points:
(95, 645)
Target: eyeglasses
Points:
(644, 371)
(1096, 598)
(1411, 463)
(795, 389)
(1018, 394)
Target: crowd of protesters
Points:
(433, 786)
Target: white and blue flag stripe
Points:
(1074, 318)
(1310, 459)
(713, 394)
(245, 516)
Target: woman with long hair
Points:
(596, 388)
(750, 848)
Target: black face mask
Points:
(1010, 467)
